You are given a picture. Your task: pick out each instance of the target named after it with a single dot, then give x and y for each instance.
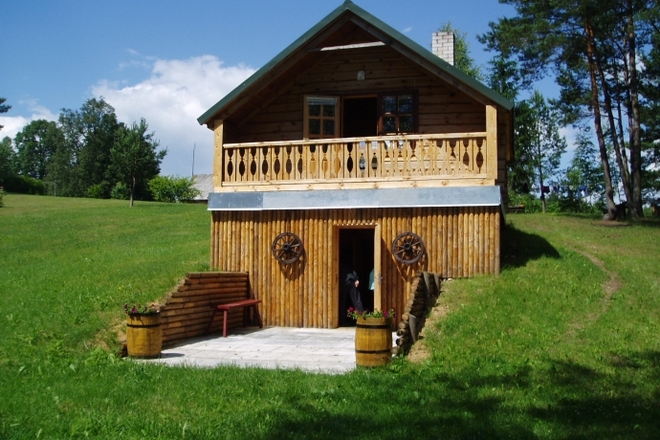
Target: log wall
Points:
(460, 242)
(187, 308)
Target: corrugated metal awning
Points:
(356, 198)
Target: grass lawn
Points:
(565, 343)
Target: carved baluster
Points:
(387, 160)
(252, 174)
(413, 163)
(325, 163)
(288, 166)
(436, 149)
(277, 165)
(453, 156)
(426, 158)
(374, 159)
(241, 165)
(350, 164)
(362, 163)
(400, 159)
(312, 171)
(466, 157)
(300, 158)
(229, 173)
(263, 158)
(336, 159)
(480, 155)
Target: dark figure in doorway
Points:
(352, 287)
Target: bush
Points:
(172, 189)
(95, 191)
(555, 204)
(532, 204)
(2, 192)
(25, 185)
(120, 192)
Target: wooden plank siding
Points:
(460, 242)
(442, 108)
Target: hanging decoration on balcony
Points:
(408, 248)
(287, 248)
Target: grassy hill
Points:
(565, 343)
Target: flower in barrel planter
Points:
(142, 309)
(373, 336)
(375, 313)
(144, 336)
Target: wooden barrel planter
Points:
(144, 336)
(373, 342)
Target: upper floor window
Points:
(321, 117)
(397, 114)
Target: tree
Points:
(83, 160)
(504, 78)
(584, 161)
(6, 160)
(134, 159)
(462, 58)
(546, 145)
(4, 108)
(36, 145)
(522, 169)
(650, 110)
(601, 40)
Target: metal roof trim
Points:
(356, 199)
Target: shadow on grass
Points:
(519, 247)
(431, 407)
(591, 404)
(561, 400)
(648, 222)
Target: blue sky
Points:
(169, 61)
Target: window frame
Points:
(382, 114)
(336, 118)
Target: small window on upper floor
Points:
(398, 113)
(321, 117)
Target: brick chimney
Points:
(443, 45)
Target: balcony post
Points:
(491, 142)
(218, 155)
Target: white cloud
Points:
(171, 100)
(14, 124)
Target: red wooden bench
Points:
(246, 304)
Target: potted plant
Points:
(373, 336)
(144, 336)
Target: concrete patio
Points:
(309, 349)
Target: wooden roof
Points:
(346, 25)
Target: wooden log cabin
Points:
(355, 149)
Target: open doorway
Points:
(356, 253)
(360, 116)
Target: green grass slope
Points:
(565, 343)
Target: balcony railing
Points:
(370, 159)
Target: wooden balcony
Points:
(369, 162)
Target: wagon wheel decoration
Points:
(287, 248)
(408, 248)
